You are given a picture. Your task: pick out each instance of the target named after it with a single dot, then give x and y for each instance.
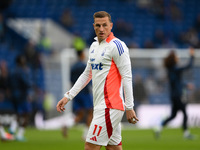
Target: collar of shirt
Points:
(108, 39)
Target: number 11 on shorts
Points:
(95, 128)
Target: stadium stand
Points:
(178, 16)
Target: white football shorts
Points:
(105, 128)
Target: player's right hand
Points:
(60, 106)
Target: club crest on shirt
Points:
(92, 51)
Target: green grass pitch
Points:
(171, 139)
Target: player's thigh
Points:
(103, 128)
(114, 147)
(97, 133)
(90, 146)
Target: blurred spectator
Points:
(196, 95)
(158, 8)
(175, 12)
(4, 96)
(32, 55)
(4, 82)
(37, 63)
(34, 61)
(44, 44)
(38, 86)
(38, 98)
(149, 44)
(82, 103)
(144, 4)
(123, 29)
(2, 28)
(133, 44)
(33, 58)
(30, 52)
(79, 43)
(176, 86)
(139, 90)
(4, 135)
(197, 23)
(67, 19)
(159, 37)
(20, 89)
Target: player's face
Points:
(102, 27)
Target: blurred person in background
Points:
(123, 29)
(108, 65)
(20, 91)
(158, 37)
(2, 28)
(175, 11)
(82, 103)
(79, 43)
(4, 96)
(4, 81)
(196, 24)
(67, 19)
(5, 136)
(139, 90)
(176, 86)
(148, 43)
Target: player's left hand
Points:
(131, 116)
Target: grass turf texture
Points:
(171, 139)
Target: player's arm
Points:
(191, 61)
(82, 81)
(122, 59)
(126, 74)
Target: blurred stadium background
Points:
(46, 32)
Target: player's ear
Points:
(111, 25)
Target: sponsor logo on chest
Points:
(97, 66)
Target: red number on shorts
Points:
(100, 127)
(95, 128)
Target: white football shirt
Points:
(109, 67)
